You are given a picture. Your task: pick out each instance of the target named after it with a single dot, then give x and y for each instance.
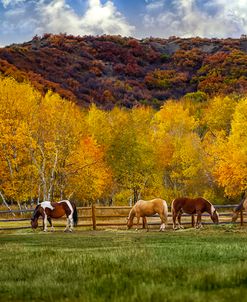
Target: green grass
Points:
(187, 265)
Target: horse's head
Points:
(34, 223)
(215, 217)
(129, 222)
(34, 218)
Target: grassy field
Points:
(186, 265)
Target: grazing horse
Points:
(241, 206)
(145, 208)
(192, 206)
(50, 210)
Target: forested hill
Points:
(112, 70)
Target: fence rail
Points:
(114, 216)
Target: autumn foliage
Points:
(51, 148)
(114, 70)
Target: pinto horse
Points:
(241, 206)
(192, 206)
(145, 208)
(50, 210)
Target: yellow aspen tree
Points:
(18, 107)
(60, 126)
(231, 166)
(179, 151)
(218, 114)
(88, 177)
(127, 141)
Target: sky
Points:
(20, 20)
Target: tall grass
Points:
(124, 266)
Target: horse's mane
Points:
(132, 211)
(35, 211)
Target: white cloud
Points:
(17, 18)
(22, 19)
(6, 3)
(15, 12)
(185, 18)
(151, 6)
(58, 16)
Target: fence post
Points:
(93, 217)
(241, 218)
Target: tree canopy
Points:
(50, 148)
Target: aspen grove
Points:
(51, 149)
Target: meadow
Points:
(119, 265)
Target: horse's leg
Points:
(179, 220)
(50, 222)
(174, 217)
(145, 223)
(193, 220)
(137, 223)
(162, 227)
(45, 222)
(199, 219)
(163, 222)
(71, 222)
(235, 215)
(67, 225)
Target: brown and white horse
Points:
(242, 206)
(192, 206)
(145, 208)
(50, 210)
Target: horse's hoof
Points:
(70, 230)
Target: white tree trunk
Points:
(5, 203)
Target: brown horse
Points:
(50, 210)
(242, 206)
(192, 206)
(145, 208)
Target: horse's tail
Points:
(172, 206)
(75, 213)
(75, 216)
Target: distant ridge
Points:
(113, 70)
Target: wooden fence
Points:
(103, 217)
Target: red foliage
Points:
(110, 70)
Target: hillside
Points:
(112, 70)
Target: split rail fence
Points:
(96, 217)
